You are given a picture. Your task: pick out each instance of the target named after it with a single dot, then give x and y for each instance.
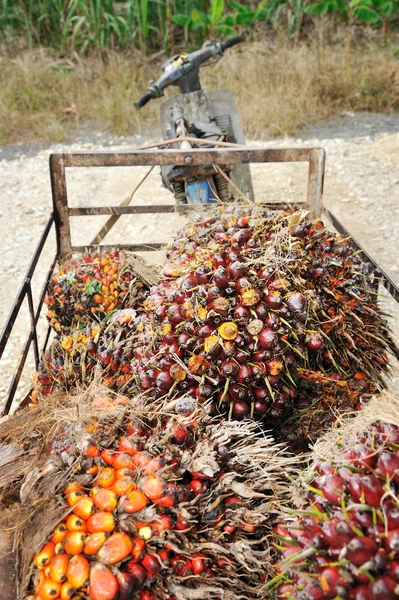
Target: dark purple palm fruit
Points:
(353, 497)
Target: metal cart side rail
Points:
(60, 219)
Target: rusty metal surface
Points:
(60, 204)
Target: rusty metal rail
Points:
(60, 219)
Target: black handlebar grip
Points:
(143, 100)
(236, 39)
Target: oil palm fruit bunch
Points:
(255, 307)
(90, 286)
(72, 360)
(167, 506)
(343, 539)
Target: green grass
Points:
(43, 96)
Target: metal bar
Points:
(60, 204)
(191, 140)
(178, 157)
(317, 161)
(15, 380)
(44, 290)
(387, 282)
(129, 247)
(5, 334)
(46, 339)
(32, 322)
(156, 208)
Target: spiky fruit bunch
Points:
(251, 306)
(72, 360)
(89, 287)
(169, 508)
(344, 540)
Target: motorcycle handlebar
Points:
(233, 41)
(143, 100)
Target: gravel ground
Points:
(361, 188)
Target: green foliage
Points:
(366, 11)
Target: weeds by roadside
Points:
(278, 89)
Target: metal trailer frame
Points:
(224, 154)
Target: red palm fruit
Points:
(67, 591)
(43, 558)
(337, 532)
(383, 588)
(58, 568)
(144, 595)
(129, 585)
(313, 592)
(141, 459)
(362, 592)
(182, 524)
(230, 529)
(137, 551)
(151, 564)
(116, 548)
(92, 450)
(314, 342)
(139, 574)
(198, 487)
(360, 549)
(103, 584)
(296, 302)
(108, 456)
(329, 579)
(199, 563)
(154, 465)
(135, 502)
(130, 445)
(49, 589)
(59, 533)
(74, 542)
(240, 410)
(106, 477)
(388, 465)
(268, 338)
(78, 571)
(169, 499)
(93, 543)
(106, 500)
(101, 521)
(178, 433)
(84, 508)
(75, 523)
(393, 570)
(368, 487)
(361, 455)
(392, 543)
(244, 375)
(163, 522)
(123, 461)
(285, 591)
(123, 486)
(153, 486)
(229, 368)
(332, 487)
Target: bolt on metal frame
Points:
(60, 218)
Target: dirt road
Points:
(361, 188)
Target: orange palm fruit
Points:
(59, 533)
(124, 473)
(153, 486)
(155, 464)
(123, 461)
(74, 542)
(43, 557)
(106, 500)
(74, 497)
(78, 571)
(92, 470)
(162, 523)
(92, 451)
(116, 548)
(101, 521)
(38, 578)
(123, 486)
(103, 584)
(106, 477)
(67, 591)
(94, 490)
(141, 459)
(59, 548)
(49, 589)
(75, 523)
(84, 508)
(135, 501)
(108, 456)
(93, 543)
(58, 568)
(138, 549)
(73, 487)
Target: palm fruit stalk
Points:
(341, 539)
(73, 360)
(163, 506)
(258, 313)
(91, 285)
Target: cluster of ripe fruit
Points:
(142, 522)
(90, 285)
(344, 542)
